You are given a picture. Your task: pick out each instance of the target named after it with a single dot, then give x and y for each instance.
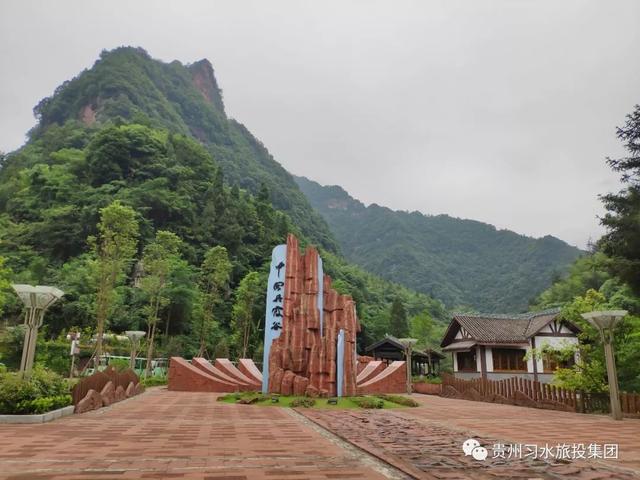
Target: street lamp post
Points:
(134, 337)
(408, 346)
(75, 349)
(605, 322)
(36, 301)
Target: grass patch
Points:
(153, 381)
(256, 398)
(424, 379)
(400, 400)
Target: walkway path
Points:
(163, 434)
(176, 435)
(532, 425)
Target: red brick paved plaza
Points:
(531, 425)
(163, 434)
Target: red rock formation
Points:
(108, 394)
(91, 401)
(301, 360)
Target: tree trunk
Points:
(101, 317)
(245, 339)
(151, 332)
(166, 333)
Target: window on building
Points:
(467, 361)
(509, 360)
(551, 363)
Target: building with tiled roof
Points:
(495, 346)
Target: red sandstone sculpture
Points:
(301, 360)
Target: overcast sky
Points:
(500, 111)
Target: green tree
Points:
(114, 247)
(589, 372)
(246, 320)
(622, 240)
(5, 283)
(422, 328)
(398, 325)
(214, 282)
(159, 258)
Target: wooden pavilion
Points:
(423, 362)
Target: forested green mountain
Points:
(464, 263)
(127, 83)
(137, 137)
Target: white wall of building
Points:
(554, 342)
(489, 358)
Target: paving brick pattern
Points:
(188, 435)
(532, 425)
(184, 435)
(431, 450)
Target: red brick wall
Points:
(393, 379)
(186, 378)
(427, 388)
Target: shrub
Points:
(400, 400)
(434, 380)
(251, 400)
(303, 402)
(155, 381)
(43, 404)
(17, 395)
(368, 402)
(119, 364)
(54, 354)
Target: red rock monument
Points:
(303, 358)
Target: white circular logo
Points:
(469, 445)
(480, 453)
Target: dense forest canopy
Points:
(136, 145)
(464, 263)
(127, 83)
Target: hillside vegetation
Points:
(139, 146)
(126, 83)
(464, 263)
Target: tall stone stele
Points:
(302, 360)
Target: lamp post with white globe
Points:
(36, 301)
(605, 322)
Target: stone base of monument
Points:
(201, 376)
(225, 365)
(224, 377)
(219, 374)
(376, 377)
(247, 367)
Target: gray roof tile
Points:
(505, 328)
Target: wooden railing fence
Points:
(530, 393)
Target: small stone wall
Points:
(427, 388)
